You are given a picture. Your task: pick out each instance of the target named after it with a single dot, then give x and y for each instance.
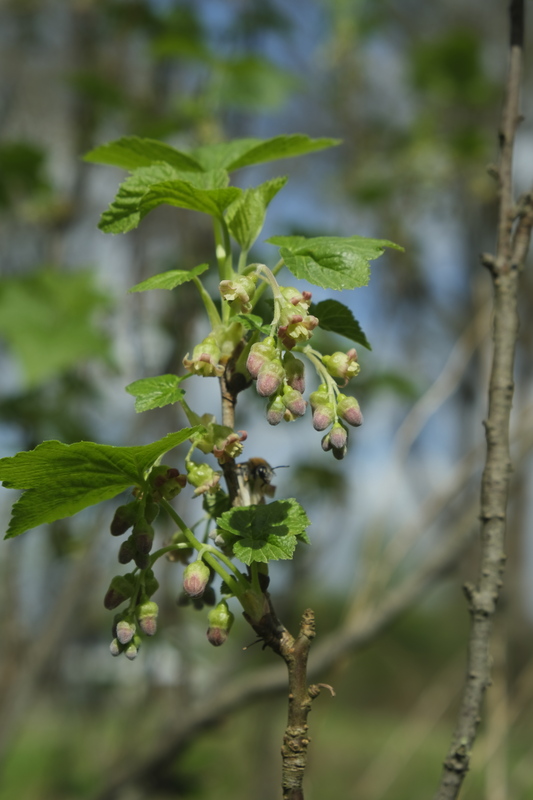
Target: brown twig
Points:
(269, 629)
(512, 245)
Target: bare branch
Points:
(483, 597)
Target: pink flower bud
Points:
(294, 402)
(220, 620)
(125, 631)
(270, 377)
(275, 410)
(348, 409)
(259, 354)
(338, 436)
(195, 578)
(115, 648)
(146, 614)
(323, 409)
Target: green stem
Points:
(243, 257)
(315, 358)
(254, 574)
(261, 288)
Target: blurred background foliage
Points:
(414, 90)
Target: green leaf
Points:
(245, 217)
(132, 152)
(163, 390)
(244, 152)
(330, 261)
(338, 318)
(59, 479)
(265, 532)
(169, 279)
(125, 211)
(183, 194)
(252, 322)
(48, 318)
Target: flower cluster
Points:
(295, 324)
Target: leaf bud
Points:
(146, 614)
(270, 377)
(127, 551)
(205, 358)
(220, 620)
(295, 372)
(260, 353)
(120, 588)
(275, 410)
(124, 518)
(142, 560)
(143, 536)
(151, 584)
(348, 409)
(342, 365)
(195, 578)
(125, 631)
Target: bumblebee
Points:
(255, 482)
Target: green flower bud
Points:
(195, 578)
(166, 483)
(342, 365)
(241, 288)
(124, 518)
(205, 359)
(146, 614)
(220, 620)
(203, 477)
